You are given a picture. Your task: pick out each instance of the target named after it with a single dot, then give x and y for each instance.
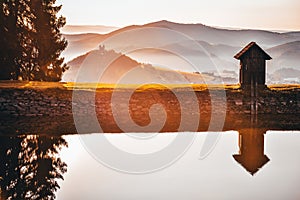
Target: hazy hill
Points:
(198, 32)
(285, 75)
(226, 36)
(126, 70)
(293, 33)
(79, 44)
(285, 56)
(284, 48)
(215, 50)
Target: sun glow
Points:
(268, 14)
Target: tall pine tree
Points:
(31, 42)
(48, 40)
(10, 50)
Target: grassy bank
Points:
(71, 86)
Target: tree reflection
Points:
(30, 166)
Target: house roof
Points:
(252, 165)
(248, 47)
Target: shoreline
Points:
(32, 107)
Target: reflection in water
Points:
(30, 166)
(251, 155)
(216, 177)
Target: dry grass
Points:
(71, 86)
(284, 87)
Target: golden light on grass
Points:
(72, 85)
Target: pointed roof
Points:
(250, 46)
(252, 165)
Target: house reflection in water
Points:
(251, 155)
(30, 166)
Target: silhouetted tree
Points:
(10, 29)
(32, 43)
(10, 169)
(48, 40)
(30, 166)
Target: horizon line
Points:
(191, 23)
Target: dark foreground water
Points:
(248, 164)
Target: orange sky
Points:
(257, 14)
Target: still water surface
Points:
(240, 166)
(218, 176)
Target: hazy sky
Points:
(260, 14)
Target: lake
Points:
(249, 164)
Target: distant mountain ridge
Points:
(199, 32)
(77, 29)
(285, 56)
(219, 43)
(219, 35)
